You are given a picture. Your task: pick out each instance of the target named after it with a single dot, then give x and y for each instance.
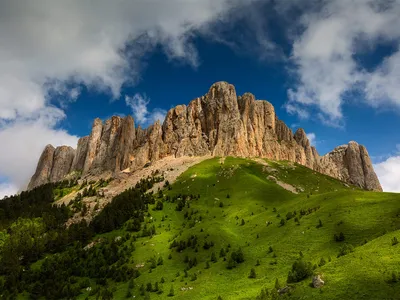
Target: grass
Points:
(360, 215)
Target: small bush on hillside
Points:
(394, 241)
(395, 277)
(322, 262)
(207, 264)
(222, 253)
(345, 249)
(171, 292)
(282, 222)
(213, 257)
(242, 223)
(221, 204)
(339, 238)
(270, 250)
(289, 215)
(236, 257)
(264, 295)
(300, 270)
(277, 284)
(319, 224)
(252, 273)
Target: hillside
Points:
(270, 214)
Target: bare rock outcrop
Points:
(44, 166)
(62, 162)
(80, 155)
(220, 123)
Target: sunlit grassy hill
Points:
(225, 229)
(240, 207)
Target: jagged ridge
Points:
(219, 124)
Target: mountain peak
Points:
(219, 123)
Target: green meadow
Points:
(236, 207)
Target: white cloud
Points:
(51, 47)
(138, 103)
(388, 173)
(323, 56)
(22, 144)
(312, 138)
(7, 189)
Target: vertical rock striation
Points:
(219, 123)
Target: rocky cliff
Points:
(219, 123)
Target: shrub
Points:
(345, 249)
(322, 262)
(300, 270)
(394, 277)
(159, 205)
(277, 284)
(171, 292)
(282, 222)
(252, 273)
(339, 238)
(289, 215)
(213, 257)
(319, 224)
(394, 241)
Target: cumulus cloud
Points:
(324, 56)
(388, 173)
(22, 144)
(139, 105)
(51, 47)
(312, 138)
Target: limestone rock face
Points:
(220, 123)
(43, 169)
(62, 162)
(93, 144)
(80, 155)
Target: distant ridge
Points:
(219, 123)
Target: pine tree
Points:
(171, 292)
(252, 273)
(213, 257)
(394, 277)
(277, 284)
(207, 265)
(322, 262)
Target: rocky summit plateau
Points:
(220, 123)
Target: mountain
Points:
(219, 123)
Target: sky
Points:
(331, 67)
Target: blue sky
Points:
(330, 67)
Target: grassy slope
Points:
(364, 215)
